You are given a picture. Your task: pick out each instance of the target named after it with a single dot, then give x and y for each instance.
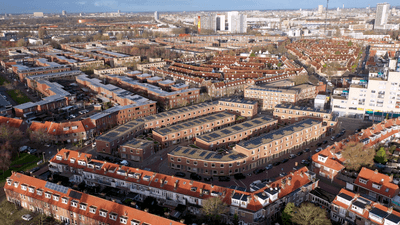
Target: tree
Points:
(381, 156)
(42, 33)
(300, 79)
(40, 136)
(309, 214)
(21, 42)
(5, 156)
(214, 207)
(356, 156)
(287, 213)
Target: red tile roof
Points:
(89, 200)
(388, 188)
(12, 122)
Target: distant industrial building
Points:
(382, 13)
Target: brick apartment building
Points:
(269, 97)
(136, 150)
(73, 207)
(42, 67)
(235, 133)
(240, 107)
(290, 113)
(190, 129)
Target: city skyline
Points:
(90, 6)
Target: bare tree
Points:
(309, 214)
(300, 79)
(214, 207)
(356, 156)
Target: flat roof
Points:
(277, 134)
(138, 143)
(301, 108)
(200, 154)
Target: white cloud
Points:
(81, 3)
(105, 3)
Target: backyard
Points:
(18, 96)
(23, 163)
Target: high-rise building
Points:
(119, 11)
(156, 15)
(237, 23)
(220, 20)
(382, 13)
(320, 9)
(63, 13)
(208, 22)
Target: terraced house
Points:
(73, 207)
(258, 207)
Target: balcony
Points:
(104, 182)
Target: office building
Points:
(38, 14)
(156, 15)
(320, 9)
(208, 22)
(382, 13)
(63, 13)
(220, 20)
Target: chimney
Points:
(301, 174)
(391, 178)
(65, 155)
(376, 171)
(79, 154)
(295, 164)
(390, 210)
(289, 181)
(201, 191)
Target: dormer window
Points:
(363, 181)
(103, 213)
(59, 157)
(47, 195)
(16, 184)
(23, 187)
(39, 192)
(376, 186)
(82, 206)
(64, 200)
(72, 160)
(135, 222)
(74, 204)
(322, 158)
(56, 198)
(123, 219)
(92, 209)
(31, 189)
(9, 182)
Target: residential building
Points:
(136, 150)
(190, 129)
(240, 107)
(349, 207)
(73, 207)
(235, 133)
(382, 13)
(291, 114)
(257, 207)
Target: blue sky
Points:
(56, 6)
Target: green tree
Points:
(309, 214)
(356, 156)
(381, 156)
(287, 213)
(349, 43)
(214, 207)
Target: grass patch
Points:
(149, 139)
(11, 214)
(239, 118)
(193, 146)
(156, 142)
(28, 161)
(18, 96)
(3, 80)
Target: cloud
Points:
(81, 3)
(105, 3)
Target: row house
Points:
(258, 207)
(226, 88)
(117, 70)
(44, 67)
(240, 107)
(286, 113)
(143, 66)
(274, 144)
(47, 104)
(14, 122)
(70, 132)
(329, 162)
(136, 150)
(233, 134)
(73, 207)
(122, 61)
(190, 129)
(352, 208)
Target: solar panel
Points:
(192, 152)
(237, 128)
(185, 151)
(256, 121)
(74, 194)
(209, 155)
(232, 156)
(56, 187)
(203, 153)
(246, 124)
(226, 131)
(218, 156)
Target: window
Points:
(123, 220)
(113, 216)
(92, 209)
(74, 204)
(64, 200)
(56, 197)
(82, 206)
(103, 213)
(47, 195)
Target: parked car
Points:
(124, 162)
(258, 171)
(208, 178)
(224, 178)
(282, 174)
(180, 174)
(195, 176)
(27, 217)
(48, 145)
(239, 176)
(304, 162)
(325, 142)
(333, 138)
(32, 151)
(319, 144)
(94, 144)
(269, 167)
(24, 148)
(299, 153)
(276, 163)
(306, 150)
(318, 149)
(292, 156)
(285, 160)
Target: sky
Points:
(76, 6)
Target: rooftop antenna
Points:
(326, 15)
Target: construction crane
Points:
(326, 15)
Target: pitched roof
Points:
(388, 188)
(12, 122)
(89, 200)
